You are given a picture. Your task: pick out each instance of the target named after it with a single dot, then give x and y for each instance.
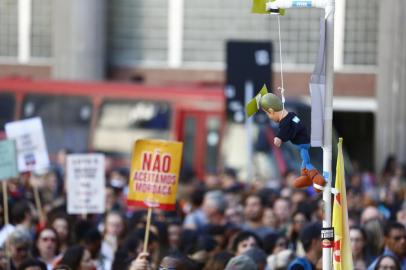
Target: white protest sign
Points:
(85, 183)
(32, 154)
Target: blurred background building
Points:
(167, 42)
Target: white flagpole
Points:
(328, 124)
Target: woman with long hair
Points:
(358, 238)
(46, 247)
(78, 258)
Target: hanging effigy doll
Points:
(291, 129)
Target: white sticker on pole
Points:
(85, 183)
(32, 154)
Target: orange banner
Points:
(154, 174)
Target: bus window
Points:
(7, 108)
(213, 125)
(66, 120)
(121, 122)
(189, 135)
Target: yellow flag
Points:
(342, 255)
(259, 6)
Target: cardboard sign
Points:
(154, 174)
(85, 183)
(32, 154)
(8, 160)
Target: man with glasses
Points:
(395, 244)
(19, 247)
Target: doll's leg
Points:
(304, 154)
(303, 180)
(312, 173)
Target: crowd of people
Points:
(219, 223)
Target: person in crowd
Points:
(387, 262)
(253, 212)
(282, 212)
(22, 215)
(214, 206)
(174, 234)
(32, 264)
(203, 249)
(172, 261)
(114, 231)
(374, 229)
(391, 169)
(218, 261)
(46, 246)
(395, 243)
(78, 258)
(269, 218)
(310, 238)
(177, 261)
(235, 215)
(60, 224)
(401, 216)
(358, 238)
(141, 262)
(92, 241)
(299, 219)
(258, 256)
(243, 241)
(154, 247)
(19, 246)
(112, 199)
(220, 234)
(229, 179)
(241, 262)
(275, 242)
(212, 180)
(369, 213)
(6, 229)
(280, 260)
(196, 218)
(298, 198)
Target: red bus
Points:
(109, 117)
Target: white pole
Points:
(339, 34)
(24, 30)
(175, 33)
(328, 125)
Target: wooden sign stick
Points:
(5, 203)
(6, 221)
(147, 229)
(38, 204)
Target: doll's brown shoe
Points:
(303, 180)
(318, 180)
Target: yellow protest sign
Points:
(154, 174)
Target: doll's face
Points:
(274, 116)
